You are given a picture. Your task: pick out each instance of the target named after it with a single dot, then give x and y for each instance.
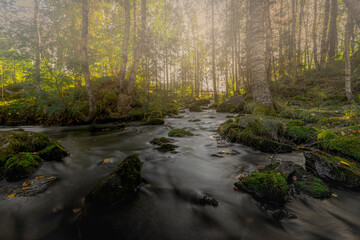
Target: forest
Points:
(179, 119)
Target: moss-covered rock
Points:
(333, 169)
(347, 146)
(167, 147)
(299, 133)
(120, 185)
(195, 108)
(21, 166)
(155, 121)
(266, 187)
(233, 105)
(180, 133)
(136, 114)
(162, 140)
(314, 187)
(262, 144)
(54, 152)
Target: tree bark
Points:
(260, 87)
(125, 46)
(37, 43)
(324, 41)
(314, 35)
(301, 17)
(213, 50)
(85, 61)
(333, 29)
(138, 51)
(348, 31)
(354, 8)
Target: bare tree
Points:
(37, 42)
(324, 41)
(348, 32)
(354, 8)
(213, 49)
(333, 29)
(314, 34)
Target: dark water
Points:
(164, 207)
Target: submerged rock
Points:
(54, 152)
(180, 133)
(235, 104)
(155, 121)
(167, 147)
(34, 186)
(162, 140)
(120, 185)
(333, 169)
(205, 199)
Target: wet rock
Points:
(155, 121)
(195, 108)
(162, 140)
(281, 214)
(300, 134)
(235, 104)
(180, 133)
(120, 185)
(206, 199)
(333, 169)
(167, 147)
(21, 166)
(267, 187)
(195, 120)
(34, 186)
(22, 152)
(54, 152)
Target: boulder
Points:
(179, 133)
(120, 185)
(333, 169)
(21, 165)
(235, 104)
(195, 108)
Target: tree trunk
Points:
(85, 61)
(2, 82)
(268, 52)
(260, 87)
(324, 41)
(37, 43)
(301, 17)
(293, 37)
(354, 8)
(125, 46)
(213, 50)
(281, 40)
(314, 35)
(348, 31)
(333, 29)
(138, 51)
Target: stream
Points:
(164, 207)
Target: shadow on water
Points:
(165, 207)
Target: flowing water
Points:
(164, 207)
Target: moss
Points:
(136, 114)
(267, 187)
(224, 129)
(347, 146)
(21, 141)
(21, 166)
(298, 133)
(314, 187)
(180, 133)
(262, 110)
(232, 134)
(120, 184)
(155, 121)
(334, 169)
(54, 152)
(159, 141)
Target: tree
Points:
(324, 40)
(213, 49)
(125, 46)
(314, 35)
(260, 87)
(138, 51)
(348, 32)
(333, 29)
(354, 8)
(37, 43)
(85, 61)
